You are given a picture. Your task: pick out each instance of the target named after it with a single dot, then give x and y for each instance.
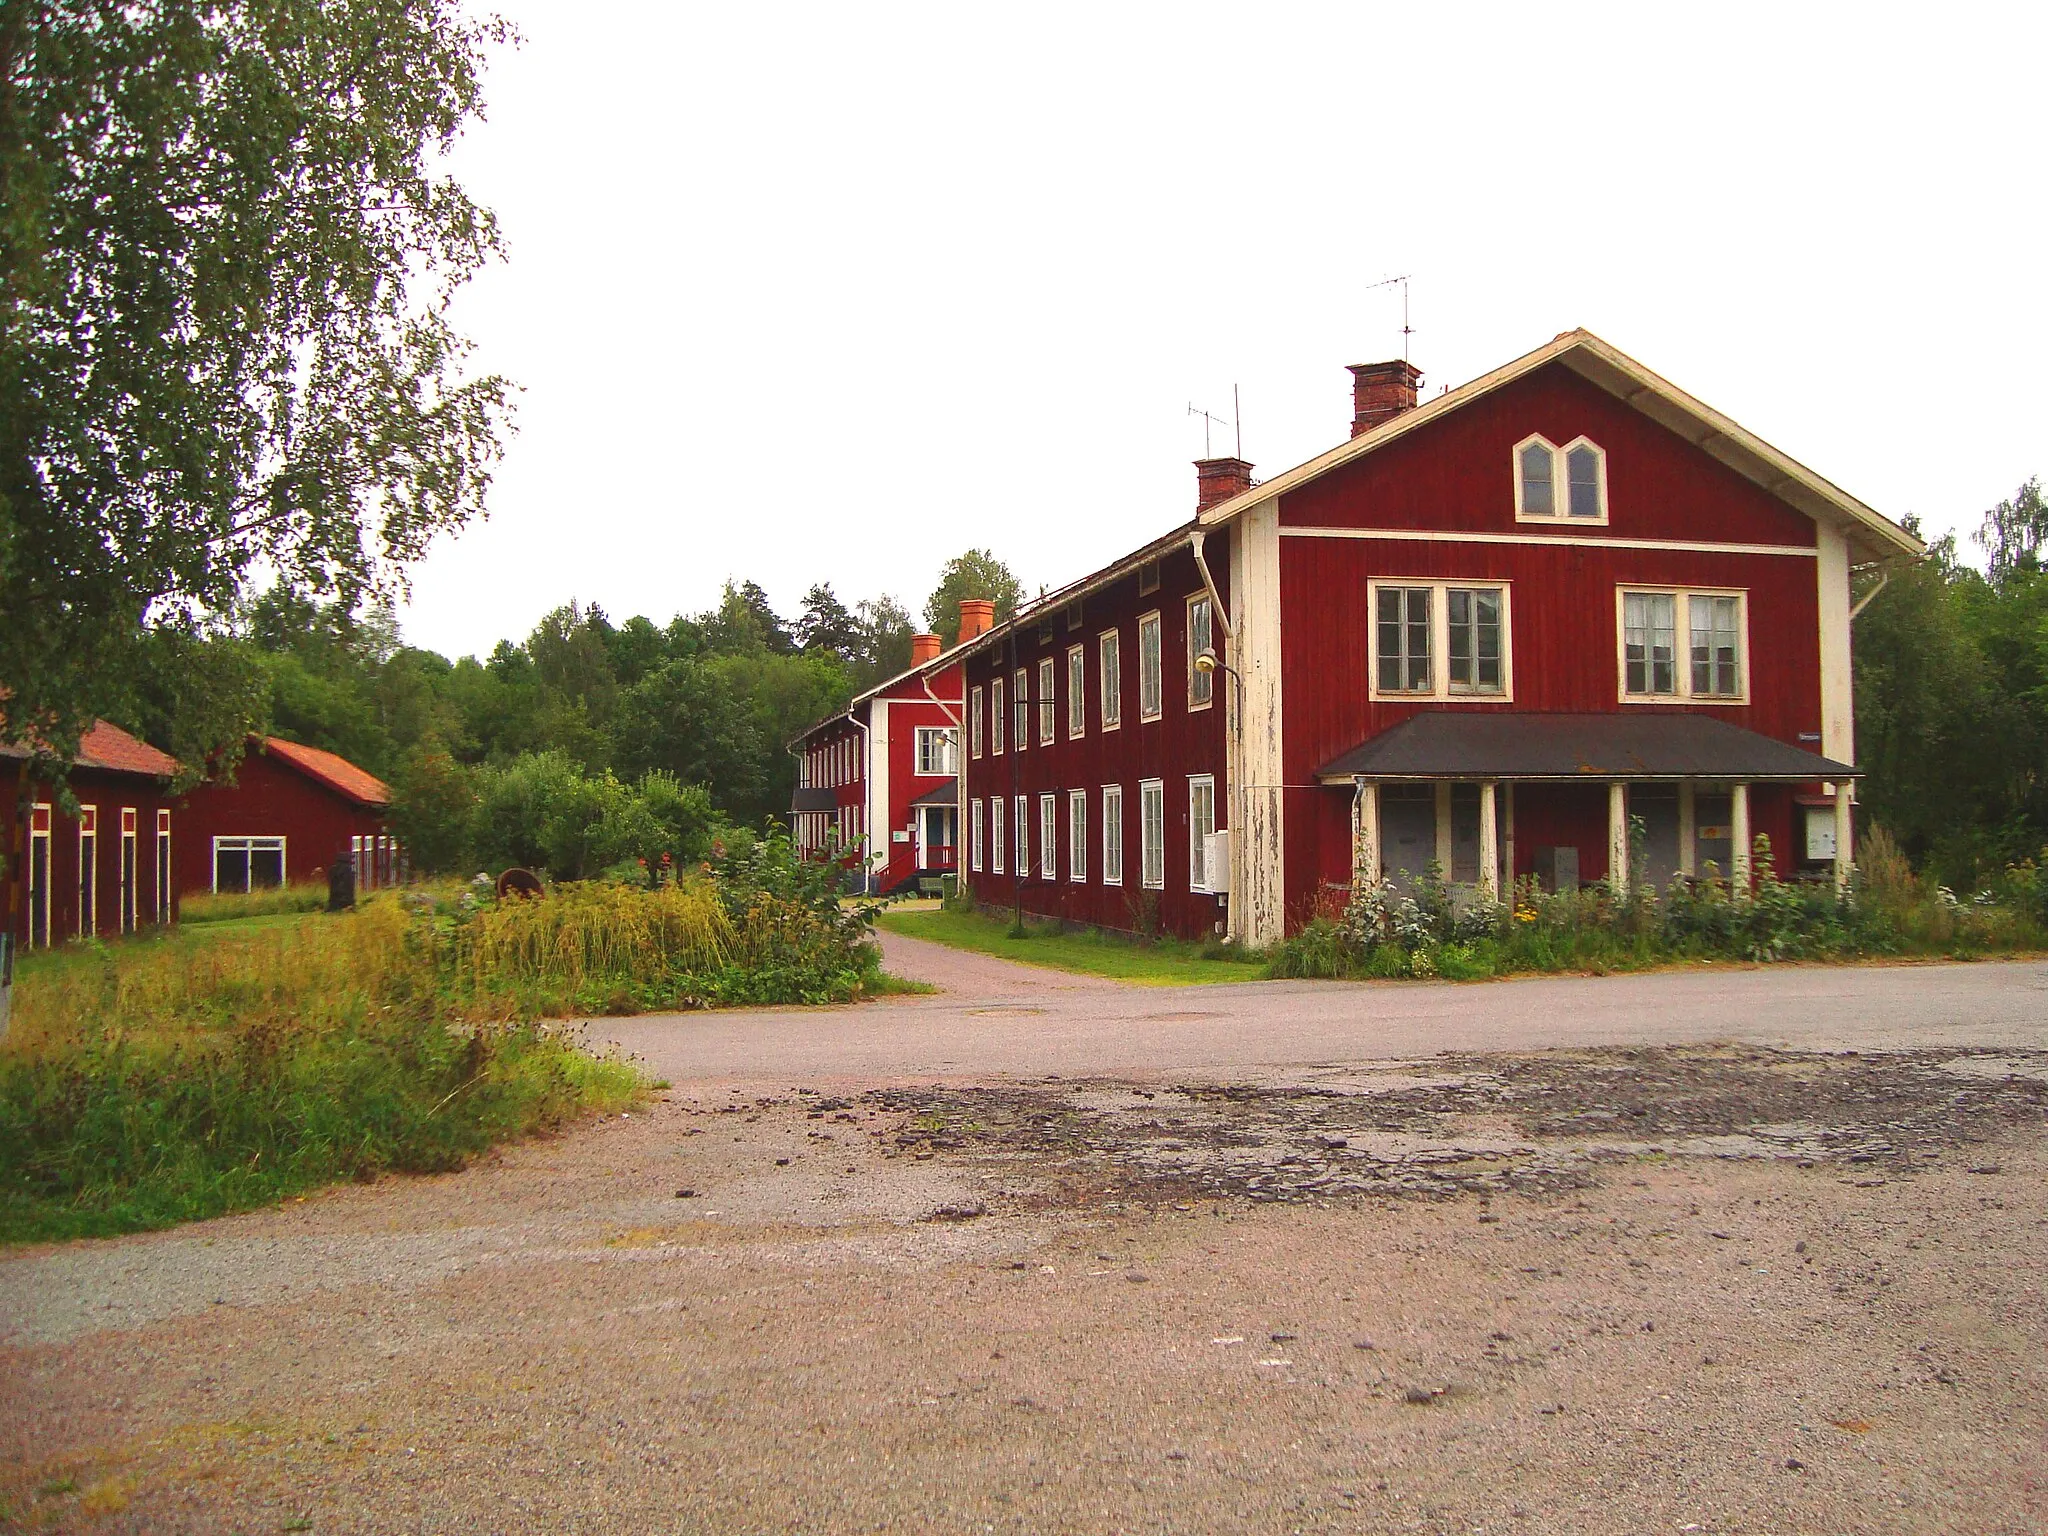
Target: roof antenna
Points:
(1237, 421)
(1407, 330)
(1209, 421)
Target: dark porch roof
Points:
(813, 799)
(1472, 744)
(940, 794)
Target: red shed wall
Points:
(111, 793)
(1457, 474)
(1180, 744)
(269, 798)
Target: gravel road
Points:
(1334, 1279)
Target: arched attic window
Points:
(1560, 484)
(1585, 472)
(1535, 478)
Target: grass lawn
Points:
(1162, 963)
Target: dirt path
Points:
(1725, 1289)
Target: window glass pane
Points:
(1021, 699)
(1077, 693)
(1112, 681)
(1650, 642)
(1152, 834)
(1582, 468)
(1023, 835)
(1077, 835)
(1046, 701)
(1113, 835)
(1536, 473)
(1475, 639)
(1716, 647)
(1201, 685)
(996, 832)
(1148, 666)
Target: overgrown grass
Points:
(1159, 962)
(210, 907)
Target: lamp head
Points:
(1205, 661)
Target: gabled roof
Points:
(336, 773)
(1491, 744)
(110, 749)
(1873, 535)
(938, 663)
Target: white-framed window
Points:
(1152, 834)
(1201, 822)
(243, 864)
(1109, 677)
(1201, 685)
(1045, 629)
(88, 870)
(1112, 834)
(1049, 835)
(995, 719)
(1150, 687)
(1148, 578)
(1077, 835)
(1023, 836)
(995, 832)
(1020, 698)
(1567, 484)
(128, 869)
(1077, 692)
(974, 835)
(974, 737)
(1441, 639)
(1048, 727)
(1711, 625)
(1074, 615)
(937, 750)
(40, 860)
(163, 865)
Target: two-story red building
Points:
(880, 781)
(1504, 632)
(108, 869)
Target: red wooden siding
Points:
(110, 793)
(270, 798)
(1180, 744)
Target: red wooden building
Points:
(106, 870)
(880, 780)
(291, 811)
(1490, 632)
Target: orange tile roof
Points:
(337, 773)
(112, 750)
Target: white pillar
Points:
(1688, 830)
(1845, 835)
(1617, 836)
(1489, 844)
(1365, 834)
(1738, 840)
(1443, 827)
(1507, 822)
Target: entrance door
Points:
(1407, 831)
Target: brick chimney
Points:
(1217, 480)
(1380, 392)
(977, 617)
(924, 648)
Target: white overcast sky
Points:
(831, 293)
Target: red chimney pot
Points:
(924, 648)
(1217, 480)
(1380, 392)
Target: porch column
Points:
(1617, 837)
(1365, 833)
(1688, 830)
(1443, 828)
(1845, 835)
(1489, 844)
(1507, 822)
(1738, 840)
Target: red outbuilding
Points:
(1516, 630)
(108, 869)
(291, 811)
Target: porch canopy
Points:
(811, 797)
(944, 794)
(1490, 744)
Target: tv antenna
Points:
(1210, 420)
(1407, 330)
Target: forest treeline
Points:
(594, 742)
(590, 744)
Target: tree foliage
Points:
(226, 246)
(976, 574)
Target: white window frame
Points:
(1440, 688)
(129, 853)
(1150, 854)
(998, 833)
(166, 888)
(1112, 834)
(1048, 701)
(1077, 836)
(1682, 661)
(947, 755)
(1075, 617)
(998, 717)
(1560, 483)
(1023, 830)
(247, 847)
(974, 726)
(1148, 578)
(1020, 708)
(975, 829)
(38, 891)
(88, 861)
(1198, 843)
(1157, 675)
(1109, 661)
(1197, 677)
(1077, 692)
(1049, 835)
